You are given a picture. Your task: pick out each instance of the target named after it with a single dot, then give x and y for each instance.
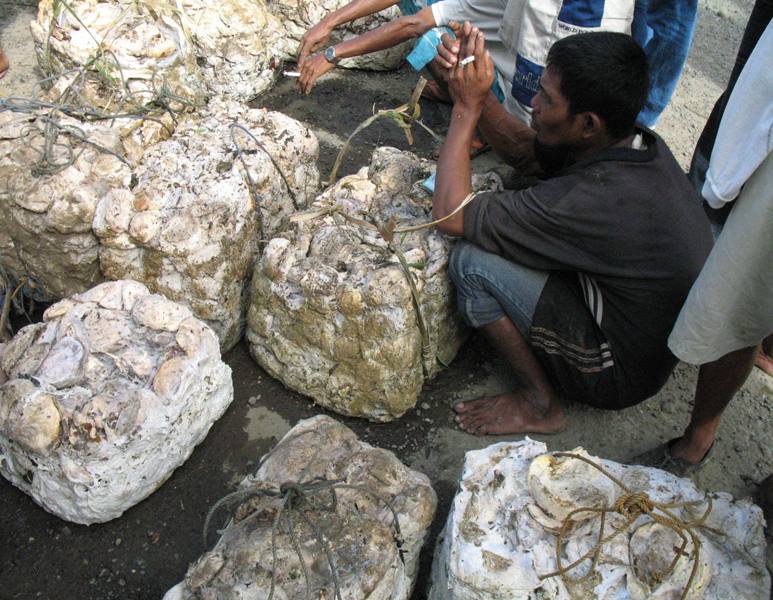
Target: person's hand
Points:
(448, 48)
(469, 84)
(313, 40)
(312, 70)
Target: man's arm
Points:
(468, 85)
(510, 138)
(316, 37)
(386, 36)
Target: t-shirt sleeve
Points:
(541, 227)
(446, 11)
(745, 135)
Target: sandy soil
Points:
(147, 550)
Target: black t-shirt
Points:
(628, 221)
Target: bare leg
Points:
(764, 358)
(3, 63)
(718, 382)
(438, 89)
(534, 409)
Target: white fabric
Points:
(486, 15)
(531, 27)
(526, 23)
(730, 306)
(525, 30)
(745, 135)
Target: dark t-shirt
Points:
(628, 221)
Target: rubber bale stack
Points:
(122, 53)
(53, 173)
(532, 525)
(190, 227)
(346, 317)
(298, 16)
(105, 398)
(325, 516)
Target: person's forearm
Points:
(453, 179)
(510, 138)
(387, 36)
(355, 10)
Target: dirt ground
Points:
(147, 550)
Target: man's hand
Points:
(313, 40)
(312, 70)
(448, 48)
(469, 84)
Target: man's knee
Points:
(489, 286)
(464, 259)
(456, 261)
(474, 301)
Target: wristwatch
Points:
(330, 55)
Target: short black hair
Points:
(605, 73)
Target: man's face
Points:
(550, 111)
(559, 133)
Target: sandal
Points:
(661, 458)
(764, 498)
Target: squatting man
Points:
(578, 279)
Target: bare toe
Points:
(473, 405)
(460, 407)
(509, 413)
(472, 425)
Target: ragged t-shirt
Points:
(630, 224)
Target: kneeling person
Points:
(578, 279)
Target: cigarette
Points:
(293, 73)
(467, 60)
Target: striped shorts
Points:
(569, 344)
(558, 313)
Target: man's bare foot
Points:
(3, 64)
(512, 412)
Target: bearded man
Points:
(576, 280)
